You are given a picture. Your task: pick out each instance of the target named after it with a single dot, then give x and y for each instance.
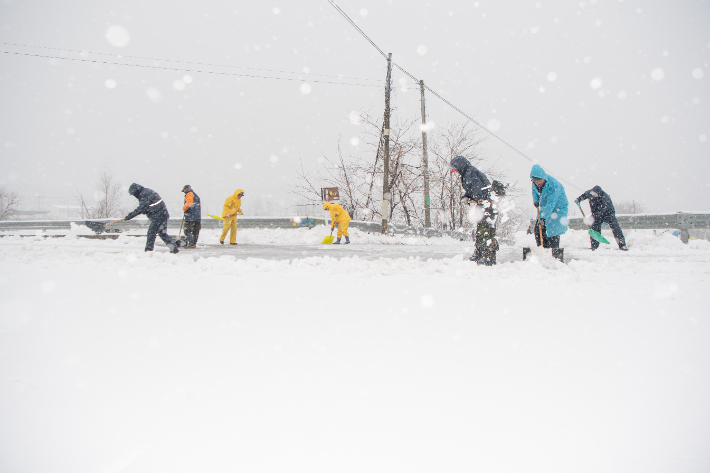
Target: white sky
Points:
(627, 108)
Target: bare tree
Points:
(626, 207)
(107, 198)
(359, 176)
(9, 201)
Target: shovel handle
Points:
(539, 227)
(183, 221)
(116, 221)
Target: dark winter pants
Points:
(613, 224)
(547, 242)
(192, 232)
(159, 227)
(486, 244)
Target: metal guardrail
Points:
(683, 221)
(244, 222)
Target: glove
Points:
(576, 201)
(536, 204)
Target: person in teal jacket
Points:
(550, 198)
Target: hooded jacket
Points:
(553, 202)
(192, 206)
(233, 205)
(474, 182)
(149, 203)
(600, 205)
(338, 214)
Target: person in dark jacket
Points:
(602, 211)
(193, 216)
(479, 194)
(150, 204)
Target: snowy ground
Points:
(261, 358)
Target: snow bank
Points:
(114, 359)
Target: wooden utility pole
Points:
(425, 163)
(386, 194)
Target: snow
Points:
(118, 360)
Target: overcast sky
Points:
(602, 92)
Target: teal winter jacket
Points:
(553, 202)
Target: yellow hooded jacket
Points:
(338, 214)
(233, 205)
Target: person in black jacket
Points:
(150, 204)
(603, 211)
(193, 216)
(479, 193)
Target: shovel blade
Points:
(328, 240)
(598, 236)
(96, 227)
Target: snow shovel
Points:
(596, 235)
(177, 240)
(215, 217)
(329, 239)
(100, 227)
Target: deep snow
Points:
(115, 360)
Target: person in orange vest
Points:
(340, 217)
(232, 208)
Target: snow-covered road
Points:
(115, 360)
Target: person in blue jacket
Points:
(150, 204)
(550, 199)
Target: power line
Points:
(188, 70)
(345, 15)
(332, 2)
(119, 56)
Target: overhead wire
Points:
(295, 79)
(513, 148)
(345, 15)
(120, 56)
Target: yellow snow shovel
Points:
(215, 217)
(329, 239)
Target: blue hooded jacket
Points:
(553, 202)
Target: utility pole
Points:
(386, 194)
(425, 164)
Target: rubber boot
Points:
(337, 242)
(347, 240)
(559, 253)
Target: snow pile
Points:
(78, 229)
(115, 359)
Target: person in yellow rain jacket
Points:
(340, 217)
(232, 208)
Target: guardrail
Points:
(682, 221)
(244, 222)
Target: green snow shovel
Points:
(596, 235)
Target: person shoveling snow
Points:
(340, 217)
(551, 202)
(482, 198)
(602, 211)
(150, 204)
(193, 216)
(232, 208)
